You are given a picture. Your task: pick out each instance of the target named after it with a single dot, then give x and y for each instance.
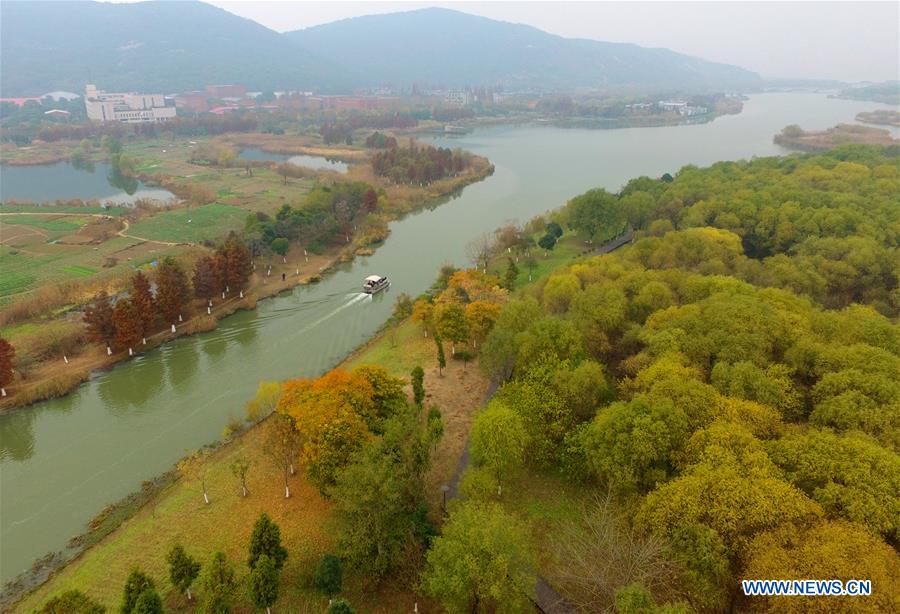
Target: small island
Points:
(795, 137)
(883, 117)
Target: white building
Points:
(129, 108)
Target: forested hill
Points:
(441, 46)
(146, 46)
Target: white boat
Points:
(375, 283)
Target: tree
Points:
(285, 169)
(379, 497)
(595, 210)
(207, 277)
(264, 402)
(72, 602)
(403, 306)
(531, 264)
(452, 324)
(340, 606)
(264, 580)
(194, 469)
(128, 323)
(7, 353)
(370, 201)
(498, 440)
(282, 445)
(418, 385)
(219, 585)
(482, 557)
(829, 550)
(512, 272)
(238, 265)
(172, 289)
(328, 575)
(547, 242)
(98, 318)
(142, 299)
(148, 602)
(183, 569)
(280, 246)
(479, 249)
(266, 540)
(554, 229)
(136, 583)
(442, 360)
(481, 316)
(423, 312)
(239, 469)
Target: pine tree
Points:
(207, 279)
(142, 299)
(183, 569)
(137, 583)
(7, 353)
(98, 317)
(127, 322)
(340, 606)
(266, 539)
(328, 578)
(442, 360)
(172, 290)
(264, 583)
(418, 385)
(512, 272)
(237, 263)
(72, 602)
(219, 585)
(149, 602)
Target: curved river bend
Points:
(63, 460)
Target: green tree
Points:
(418, 385)
(136, 583)
(340, 606)
(595, 210)
(183, 569)
(547, 242)
(380, 495)
(148, 602)
(280, 246)
(264, 580)
(263, 403)
(512, 273)
(72, 602)
(328, 575)
(219, 585)
(481, 560)
(498, 440)
(452, 324)
(266, 539)
(442, 360)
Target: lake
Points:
(62, 461)
(318, 163)
(63, 181)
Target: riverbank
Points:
(822, 140)
(174, 510)
(882, 117)
(59, 374)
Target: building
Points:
(192, 102)
(226, 91)
(129, 108)
(458, 97)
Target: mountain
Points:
(147, 46)
(442, 46)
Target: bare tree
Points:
(601, 552)
(282, 446)
(480, 248)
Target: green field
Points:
(67, 224)
(208, 222)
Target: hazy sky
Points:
(852, 41)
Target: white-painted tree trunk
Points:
(242, 294)
(173, 328)
(293, 471)
(287, 492)
(2, 392)
(244, 488)
(268, 610)
(130, 352)
(108, 351)
(144, 341)
(65, 359)
(189, 594)
(208, 311)
(179, 318)
(205, 498)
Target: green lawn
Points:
(208, 222)
(67, 224)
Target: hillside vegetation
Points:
(728, 379)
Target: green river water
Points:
(63, 460)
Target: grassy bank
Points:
(178, 514)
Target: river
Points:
(63, 460)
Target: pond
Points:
(64, 181)
(318, 163)
(63, 460)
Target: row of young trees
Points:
(129, 320)
(419, 165)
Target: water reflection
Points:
(17, 442)
(182, 363)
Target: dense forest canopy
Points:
(729, 376)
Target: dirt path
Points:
(121, 233)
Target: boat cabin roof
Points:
(374, 278)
